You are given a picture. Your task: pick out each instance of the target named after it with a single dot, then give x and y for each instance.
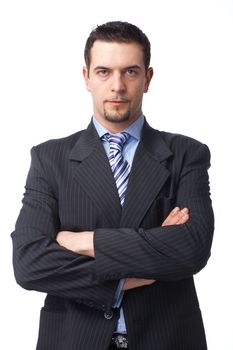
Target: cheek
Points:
(98, 98)
(98, 91)
(138, 95)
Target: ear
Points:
(149, 75)
(86, 77)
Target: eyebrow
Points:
(135, 66)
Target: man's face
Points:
(117, 81)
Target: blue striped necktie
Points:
(119, 165)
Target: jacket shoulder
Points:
(175, 139)
(60, 147)
(186, 149)
(64, 142)
(183, 144)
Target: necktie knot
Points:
(116, 141)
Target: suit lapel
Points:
(93, 173)
(147, 177)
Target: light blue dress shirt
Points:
(134, 130)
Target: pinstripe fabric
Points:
(70, 186)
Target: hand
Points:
(176, 217)
(131, 283)
(78, 242)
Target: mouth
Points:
(117, 101)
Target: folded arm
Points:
(83, 243)
(40, 263)
(166, 253)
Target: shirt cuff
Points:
(119, 294)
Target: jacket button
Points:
(108, 315)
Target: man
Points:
(116, 219)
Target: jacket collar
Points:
(151, 140)
(147, 177)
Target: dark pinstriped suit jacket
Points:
(70, 186)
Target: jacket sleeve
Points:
(39, 262)
(164, 253)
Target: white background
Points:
(43, 96)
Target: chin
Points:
(116, 117)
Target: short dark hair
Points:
(117, 31)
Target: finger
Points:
(185, 210)
(175, 216)
(183, 219)
(174, 212)
(170, 219)
(182, 216)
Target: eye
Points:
(102, 72)
(131, 72)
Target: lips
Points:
(117, 101)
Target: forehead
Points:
(116, 54)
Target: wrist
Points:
(85, 243)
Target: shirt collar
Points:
(134, 129)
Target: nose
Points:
(117, 83)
